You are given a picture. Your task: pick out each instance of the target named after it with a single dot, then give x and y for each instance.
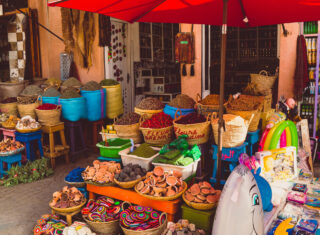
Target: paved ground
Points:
(22, 205)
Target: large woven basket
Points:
(160, 136)
(198, 133)
(154, 231)
(28, 109)
(129, 184)
(147, 113)
(49, 117)
(235, 132)
(110, 227)
(202, 206)
(206, 109)
(263, 80)
(70, 209)
(129, 132)
(9, 108)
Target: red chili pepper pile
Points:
(158, 120)
(47, 107)
(191, 118)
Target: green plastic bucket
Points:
(115, 146)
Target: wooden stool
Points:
(73, 130)
(15, 158)
(68, 215)
(91, 131)
(53, 150)
(27, 139)
(8, 133)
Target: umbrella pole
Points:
(222, 77)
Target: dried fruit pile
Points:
(202, 192)
(140, 218)
(103, 209)
(182, 227)
(10, 122)
(128, 119)
(191, 118)
(244, 103)
(150, 104)
(130, 172)
(9, 100)
(182, 102)
(49, 224)
(9, 145)
(101, 172)
(27, 122)
(157, 121)
(161, 184)
(210, 100)
(67, 197)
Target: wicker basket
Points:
(160, 136)
(99, 184)
(198, 133)
(49, 117)
(147, 113)
(110, 227)
(185, 186)
(247, 115)
(129, 184)
(263, 81)
(70, 209)
(205, 109)
(235, 132)
(202, 206)
(28, 109)
(129, 132)
(9, 108)
(154, 231)
(28, 130)
(76, 184)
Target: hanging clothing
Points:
(184, 47)
(104, 31)
(301, 77)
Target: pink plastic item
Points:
(298, 197)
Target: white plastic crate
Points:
(187, 171)
(143, 162)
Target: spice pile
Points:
(244, 103)
(51, 92)
(67, 197)
(144, 150)
(9, 145)
(27, 99)
(210, 100)
(26, 123)
(182, 227)
(150, 104)
(191, 118)
(11, 122)
(72, 82)
(159, 183)
(128, 119)
(104, 209)
(202, 192)
(47, 107)
(32, 90)
(130, 172)
(182, 102)
(75, 175)
(9, 100)
(70, 93)
(157, 121)
(91, 86)
(101, 172)
(49, 224)
(140, 218)
(108, 82)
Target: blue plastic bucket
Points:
(49, 100)
(73, 109)
(96, 103)
(172, 110)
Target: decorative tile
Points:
(12, 37)
(14, 73)
(20, 54)
(13, 55)
(21, 64)
(20, 46)
(13, 64)
(19, 37)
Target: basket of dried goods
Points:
(10, 122)
(101, 173)
(208, 105)
(70, 82)
(67, 200)
(183, 226)
(27, 105)
(161, 185)
(183, 102)
(234, 132)
(127, 127)
(149, 106)
(140, 220)
(245, 106)
(141, 154)
(157, 130)
(9, 106)
(50, 96)
(48, 114)
(130, 175)
(195, 125)
(201, 196)
(102, 215)
(74, 178)
(263, 80)
(10, 147)
(27, 124)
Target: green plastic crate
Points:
(115, 146)
(202, 219)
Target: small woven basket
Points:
(202, 206)
(129, 184)
(110, 227)
(70, 209)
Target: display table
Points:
(170, 207)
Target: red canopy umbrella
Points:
(213, 12)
